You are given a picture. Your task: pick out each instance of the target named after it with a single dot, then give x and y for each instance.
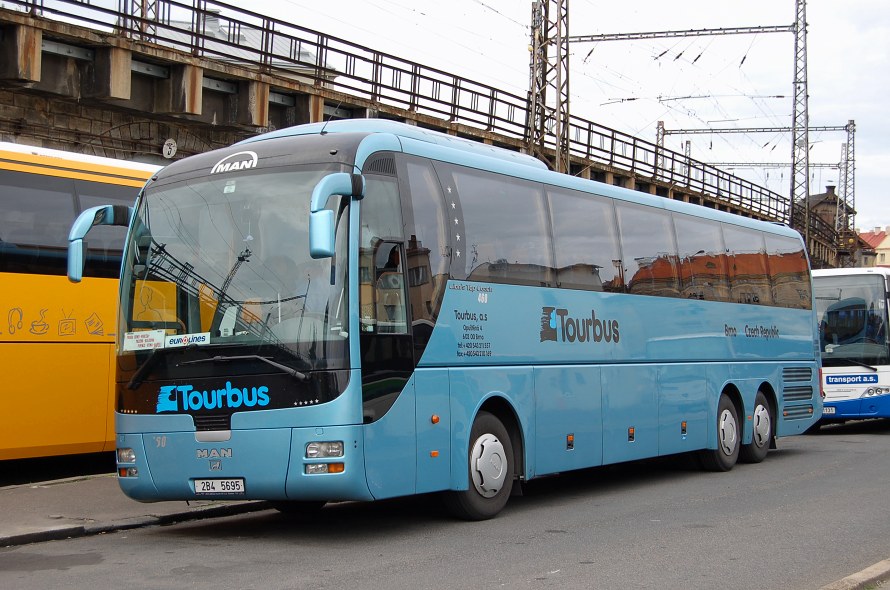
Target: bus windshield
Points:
(852, 314)
(220, 266)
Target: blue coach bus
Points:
(364, 309)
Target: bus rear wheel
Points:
(762, 437)
(725, 456)
(490, 470)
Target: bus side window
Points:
(382, 297)
(585, 259)
(649, 255)
(390, 290)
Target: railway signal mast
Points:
(549, 87)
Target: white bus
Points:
(851, 307)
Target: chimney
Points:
(829, 189)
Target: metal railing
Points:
(220, 31)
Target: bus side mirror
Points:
(321, 220)
(76, 254)
(102, 215)
(321, 234)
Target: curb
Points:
(70, 532)
(867, 578)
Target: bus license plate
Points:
(216, 487)
(827, 410)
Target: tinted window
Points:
(702, 261)
(382, 295)
(505, 222)
(585, 241)
(427, 246)
(746, 262)
(37, 214)
(789, 272)
(648, 252)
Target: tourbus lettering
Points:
(558, 326)
(182, 398)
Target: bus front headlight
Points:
(324, 450)
(126, 455)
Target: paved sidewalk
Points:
(89, 505)
(93, 504)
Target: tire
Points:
(764, 430)
(725, 456)
(490, 471)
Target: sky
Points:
(689, 83)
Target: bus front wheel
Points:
(724, 457)
(762, 437)
(490, 470)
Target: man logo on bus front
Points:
(238, 161)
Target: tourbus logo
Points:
(183, 398)
(558, 326)
(238, 161)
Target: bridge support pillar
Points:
(310, 108)
(112, 77)
(183, 92)
(253, 108)
(21, 54)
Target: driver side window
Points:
(382, 295)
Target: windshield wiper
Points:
(855, 362)
(253, 357)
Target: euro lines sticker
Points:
(187, 339)
(146, 340)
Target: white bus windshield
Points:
(852, 312)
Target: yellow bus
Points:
(51, 330)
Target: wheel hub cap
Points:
(762, 426)
(728, 432)
(489, 465)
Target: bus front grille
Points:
(218, 422)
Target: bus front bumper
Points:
(877, 406)
(317, 463)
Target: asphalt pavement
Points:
(94, 504)
(90, 505)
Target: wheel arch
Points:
(504, 411)
(735, 396)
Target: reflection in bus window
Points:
(585, 241)
(648, 253)
(746, 261)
